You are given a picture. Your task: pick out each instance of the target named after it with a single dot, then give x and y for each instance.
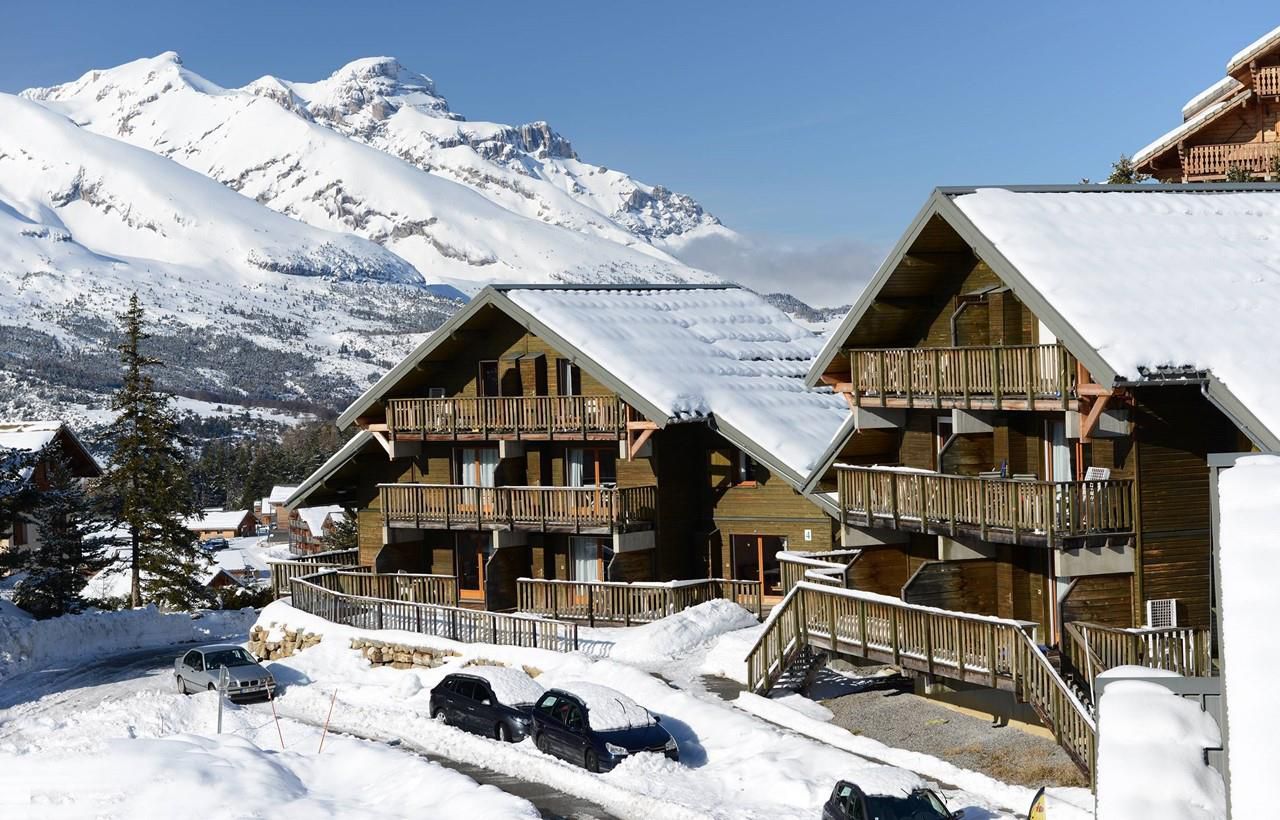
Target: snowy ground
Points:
(121, 740)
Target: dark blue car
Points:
(487, 700)
(848, 802)
(597, 728)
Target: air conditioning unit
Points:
(1162, 613)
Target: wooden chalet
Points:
(45, 439)
(1232, 127)
(222, 524)
(586, 434)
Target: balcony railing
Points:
(1266, 81)
(544, 417)
(595, 510)
(1019, 376)
(1256, 158)
(1043, 513)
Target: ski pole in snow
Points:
(271, 696)
(222, 693)
(325, 731)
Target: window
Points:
(488, 382)
(568, 378)
(573, 717)
(192, 659)
(590, 466)
(435, 392)
(477, 466)
(547, 705)
(747, 470)
(197, 662)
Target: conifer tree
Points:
(58, 564)
(16, 491)
(1238, 173)
(344, 534)
(1124, 172)
(148, 484)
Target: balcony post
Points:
(937, 378)
(855, 376)
(995, 376)
(880, 357)
(866, 499)
(1064, 376)
(910, 374)
(1033, 361)
(964, 374)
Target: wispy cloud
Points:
(823, 274)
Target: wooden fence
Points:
(1044, 512)
(831, 567)
(285, 570)
(629, 602)
(1093, 648)
(508, 416)
(569, 509)
(988, 651)
(1266, 81)
(964, 376)
(1257, 158)
(320, 594)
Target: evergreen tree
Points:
(16, 490)
(1124, 172)
(58, 565)
(148, 484)
(1238, 173)
(344, 534)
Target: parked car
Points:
(488, 700)
(214, 544)
(848, 802)
(199, 669)
(597, 728)
(262, 529)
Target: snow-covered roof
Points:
(314, 517)
(608, 709)
(1257, 47)
(331, 465)
(281, 492)
(1221, 88)
(35, 436)
(1168, 140)
(1153, 278)
(510, 686)
(216, 520)
(700, 352)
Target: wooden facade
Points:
(501, 457)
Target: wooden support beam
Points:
(384, 441)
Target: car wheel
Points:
(540, 740)
(182, 685)
(438, 715)
(591, 762)
(212, 688)
(502, 733)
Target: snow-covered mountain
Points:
(375, 151)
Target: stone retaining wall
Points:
(264, 646)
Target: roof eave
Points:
(847, 428)
(331, 465)
(1221, 397)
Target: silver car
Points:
(199, 669)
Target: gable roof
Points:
(1168, 141)
(332, 464)
(315, 517)
(1254, 50)
(719, 354)
(217, 520)
(35, 436)
(1135, 280)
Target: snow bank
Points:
(28, 645)
(1249, 497)
(676, 634)
(727, 657)
(511, 686)
(1151, 746)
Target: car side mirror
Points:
(957, 815)
(486, 702)
(657, 718)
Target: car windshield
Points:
(915, 806)
(228, 658)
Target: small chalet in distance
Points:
(1232, 124)
(590, 433)
(43, 438)
(222, 524)
(309, 525)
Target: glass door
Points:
(755, 558)
(586, 558)
(470, 553)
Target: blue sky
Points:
(818, 124)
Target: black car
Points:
(488, 700)
(597, 728)
(214, 544)
(848, 802)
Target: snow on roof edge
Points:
(1253, 49)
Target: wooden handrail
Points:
(498, 416)
(1266, 81)
(283, 570)
(1095, 648)
(1040, 511)
(318, 594)
(961, 646)
(609, 509)
(629, 602)
(830, 567)
(1216, 160)
(962, 376)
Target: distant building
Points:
(309, 525)
(43, 438)
(222, 524)
(274, 514)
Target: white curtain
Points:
(577, 462)
(1061, 454)
(479, 466)
(586, 559)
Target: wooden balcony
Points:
(1266, 81)
(1031, 513)
(588, 510)
(1027, 377)
(507, 417)
(1214, 161)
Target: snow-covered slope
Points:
(375, 151)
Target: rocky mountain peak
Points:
(376, 86)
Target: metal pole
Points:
(222, 693)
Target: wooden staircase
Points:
(977, 649)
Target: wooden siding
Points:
(964, 586)
(1100, 599)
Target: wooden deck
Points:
(587, 510)
(959, 646)
(629, 602)
(1018, 377)
(1032, 513)
(543, 418)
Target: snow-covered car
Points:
(214, 544)
(200, 668)
(596, 727)
(848, 802)
(494, 701)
